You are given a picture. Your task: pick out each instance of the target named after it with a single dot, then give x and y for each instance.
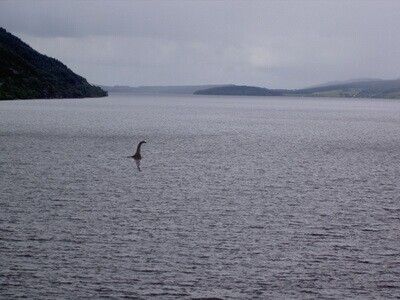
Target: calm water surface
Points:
(238, 198)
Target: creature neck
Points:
(138, 149)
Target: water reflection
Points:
(137, 162)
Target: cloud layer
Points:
(266, 43)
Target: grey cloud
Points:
(267, 43)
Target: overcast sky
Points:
(274, 44)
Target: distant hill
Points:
(358, 89)
(369, 88)
(27, 74)
(239, 90)
(157, 90)
(338, 82)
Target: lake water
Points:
(238, 198)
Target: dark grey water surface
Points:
(238, 198)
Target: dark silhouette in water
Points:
(137, 156)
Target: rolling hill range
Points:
(157, 90)
(239, 90)
(358, 89)
(389, 89)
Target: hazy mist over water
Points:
(238, 198)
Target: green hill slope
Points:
(27, 74)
